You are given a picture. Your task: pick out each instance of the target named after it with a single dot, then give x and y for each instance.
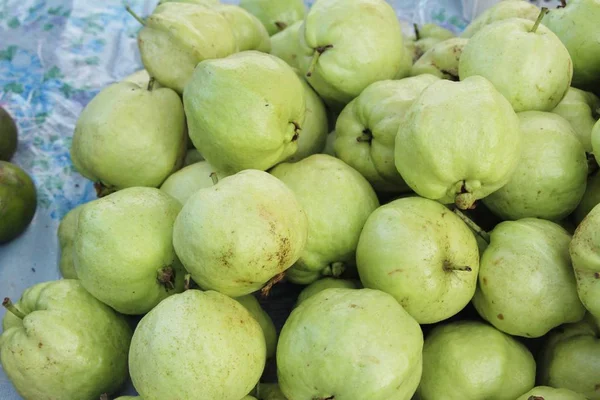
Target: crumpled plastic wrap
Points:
(55, 55)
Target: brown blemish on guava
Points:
(485, 281)
(40, 345)
(500, 316)
(394, 272)
(597, 387)
(597, 275)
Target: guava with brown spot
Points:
(197, 346)
(584, 250)
(421, 253)
(240, 233)
(527, 263)
(350, 344)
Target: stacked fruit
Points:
(443, 202)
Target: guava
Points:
(340, 64)
(441, 60)
(421, 253)
(124, 252)
(188, 180)
(276, 15)
(66, 237)
(584, 250)
(426, 37)
(459, 142)
(191, 157)
(526, 283)
(269, 391)
(197, 345)
(366, 129)
(590, 199)
(576, 25)
(60, 343)
(265, 322)
(18, 201)
(322, 284)
(245, 111)
(142, 79)
(581, 110)
(337, 201)
(130, 136)
(472, 360)
(551, 176)
(240, 233)
(570, 359)
(177, 36)
(315, 126)
(549, 393)
(524, 60)
(502, 10)
(286, 44)
(8, 136)
(350, 344)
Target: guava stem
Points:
(539, 19)
(465, 200)
(297, 130)
(151, 83)
(367, 136)
(12, 308)
(166, 277)
(214, 177)
(134, 15)
(187, 281)
(474, 227)
(535, 398)
(450, 267)
(281, 25)
(266, 290)
(417, 33)
(334, 269)
(313, 63)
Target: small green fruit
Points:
(422, 254)
(580, 109)
(350, 344)
(276, 15)
(197, 345)
(142, 79)
(18, 201)
(472, 360)
(527, 263)
(187, 181)
(60, 343)
(123, 249)
(8, 136)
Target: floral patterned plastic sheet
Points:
(55, 55)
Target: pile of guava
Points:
(429, 202)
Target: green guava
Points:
(269, 391)
(240, 233)
(441, 60)
(581, 110)
(60, 343)
(350, 344)
(286, 44)
(142, 79)
(502, 10)
(366, 129)
(124, 252)
(551, 176)
(422, 254)
(337, 201)
(245, 111)
(524, 60)
(130, 136)
(276, 15)
(197, 345)
(459, 142)
(188, 180)
(472, 360)
(526, 283)
(191, 157)
(18, 201)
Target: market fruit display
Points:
(337, 201)
(263, 129)
(551, 176)
(8, 136)
(422, 254)
(472, 156)
(472, 360)
(524, 60)
(197, 345)
(237, 259)
(124, 253)
(312, 200)
(527, 262)
(339, 65)
(59, 342)
(351, 344)
(366, 129)
(18, 201)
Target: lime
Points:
(8, 135)
(18, 201)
